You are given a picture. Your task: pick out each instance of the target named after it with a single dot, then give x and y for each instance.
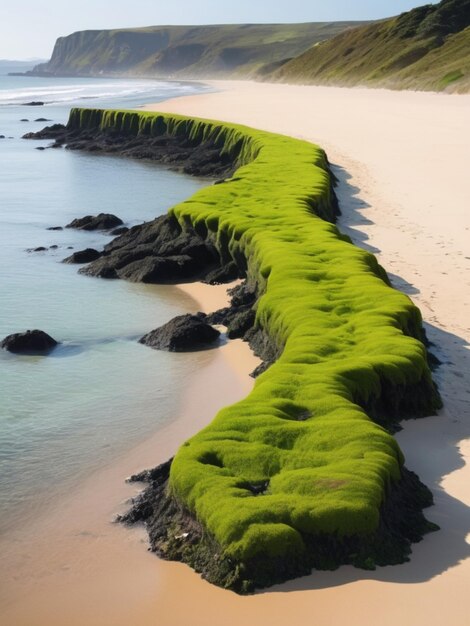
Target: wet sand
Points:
(402, 160)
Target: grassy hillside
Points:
(185, 51)
(351, 351)
(426, 48)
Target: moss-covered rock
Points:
(349, 344)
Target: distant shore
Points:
(394, 184)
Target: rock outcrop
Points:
(159, 251)
(182, 334)
(102, 221)
(29, 342)
(83, 256)
(178, 152)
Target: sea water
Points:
(100, 392)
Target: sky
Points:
(29, 28)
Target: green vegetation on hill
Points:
(185, 51)
(427, 48)
(301, 455)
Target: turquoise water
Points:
(99, 392)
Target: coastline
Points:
(331, 594)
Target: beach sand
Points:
(402, 160)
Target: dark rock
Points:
(102, 221)
(241, 324)
(120, 230)
(55, 228)
(224, 274)
(42, 119)
(183, 333)
(40, 148)
(100, 269)
(30, 342)
(69, 247)
(56, 131)
(243, 294)
(54, 247)
(198, 159)
(24, 120)
(2, 137)
(38, 249)
(83, 256)
(156, 252)
(158, 269)
(34, 103)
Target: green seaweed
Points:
(349, 341)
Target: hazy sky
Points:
(29, 28)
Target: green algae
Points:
(349, 342)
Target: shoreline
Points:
(91, 555)
(332, 594)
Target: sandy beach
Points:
(402, 163)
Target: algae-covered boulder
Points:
(29, 342)
(181, 334)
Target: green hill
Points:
(185, 51)
(427, 48)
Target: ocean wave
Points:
(52, 94)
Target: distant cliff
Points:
(230, 50)
(427, 48)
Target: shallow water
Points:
(99, 392)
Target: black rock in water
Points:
(55, 228)
(49, 132)
(42, 119)
(181, 334)
(24, 120)
(83, 256)
(34, 103)
(156, 252)
(177, 152)
(2, 137)
(30, 342)
(102, 221)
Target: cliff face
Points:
(427, 48)
(185, 51)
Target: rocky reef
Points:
(304, 472)
(182, 334)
